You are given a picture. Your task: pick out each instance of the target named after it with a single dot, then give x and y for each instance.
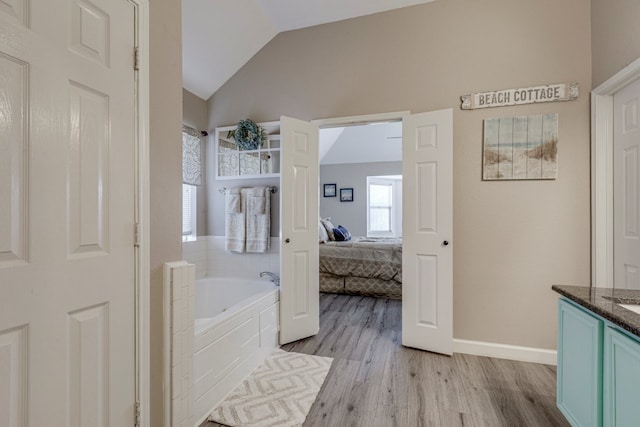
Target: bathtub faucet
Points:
(274, 277)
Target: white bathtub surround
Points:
(236, 328)
(178, 379)
(279, 392)
(195, 252)
(212, 260)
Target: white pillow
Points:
(322, 233)
(329, 227)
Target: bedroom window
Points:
(384, 206)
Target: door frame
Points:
(602, 173)
(142, 218)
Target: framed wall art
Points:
(330, 190)
(520, 148)
(346, 194)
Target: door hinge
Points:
(137, 415)
(136, 58)
(136, 234)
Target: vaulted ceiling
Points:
(220, 36)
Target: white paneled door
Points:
(66, 213)
(427, 257)
(626, 187)
(299, 292)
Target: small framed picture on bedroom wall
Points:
(330, 190)
(346, 194)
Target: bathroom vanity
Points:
(599, 356)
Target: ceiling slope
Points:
(220, 36)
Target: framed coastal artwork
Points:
(346, 194)
(330, 190)
(520, 147)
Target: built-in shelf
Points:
(233, 163)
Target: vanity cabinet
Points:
(621, 379)
(579, 385)
(598, 370)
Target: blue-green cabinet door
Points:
(621, 379)
(579, 386)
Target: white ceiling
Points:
(220, 36)
(379, 142)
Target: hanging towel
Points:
(232, 201)
(258, 219)
(235, 220)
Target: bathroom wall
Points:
(511, 240)
(215, 215)
(212, 260)
(165, 175)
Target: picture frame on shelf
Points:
(346, 194)
(330, 190)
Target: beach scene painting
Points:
(520, 147)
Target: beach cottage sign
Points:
(526, 95)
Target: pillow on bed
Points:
(342, 234)
(329, 227)
(323, 236)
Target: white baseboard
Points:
(505, 351)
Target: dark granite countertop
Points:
(604, 302)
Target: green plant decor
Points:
(249, 135)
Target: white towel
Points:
(232, 200)
(235, 222)
(258, 219)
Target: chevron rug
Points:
(279, 393)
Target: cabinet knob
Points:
(287, 240)
(445, 243)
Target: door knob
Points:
(445, 243)
(287, 240)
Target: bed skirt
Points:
(365, 286)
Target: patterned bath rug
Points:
(279, 393)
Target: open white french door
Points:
(427, 224)
(67, 152)
(299, 293)
(626, 187)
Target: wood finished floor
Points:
(375, 382)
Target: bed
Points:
(362, 266)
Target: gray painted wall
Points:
(511, 240)
(615, 36)
(165, 171)
(352, 215)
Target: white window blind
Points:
(380, 205)
(188, 211)
(384, 206)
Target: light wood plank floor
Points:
(375, 382)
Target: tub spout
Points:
(274, 277)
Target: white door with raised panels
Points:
(626, 187)
(299, 281)
(67, 213)
(427, 224)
